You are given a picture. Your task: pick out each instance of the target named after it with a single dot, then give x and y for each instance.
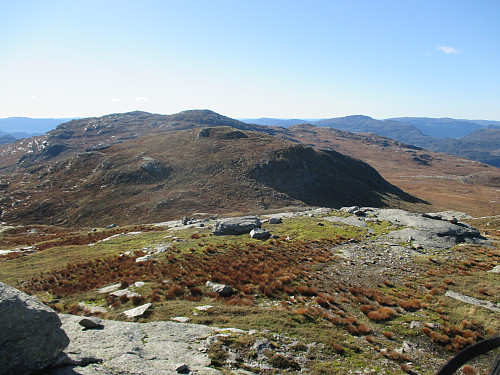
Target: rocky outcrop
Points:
(156, 348)
(31, 337)
(236, 225)
(429, 231)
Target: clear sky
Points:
(253, 58)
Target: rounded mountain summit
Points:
(139, 167)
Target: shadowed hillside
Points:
(164, 176)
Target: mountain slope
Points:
(166, 175)
(482, 145)
(444, 181)
(96, 133)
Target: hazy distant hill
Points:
(6, 138)
(365, 124)
(31, 126)
(476, 140)
(276, 121)
(482, 145)
(441, 127)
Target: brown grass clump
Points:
(337, 348)
(382, 314)
(365, 309)
(388, 335)
(469, 370)
(364, 329)
(352, 329)
(409, 305)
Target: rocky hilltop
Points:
(140, 167)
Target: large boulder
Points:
(260, 234)
(236, 225)
(31, 336)
(221, 289)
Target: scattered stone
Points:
(138, 311)
(260, 234)
(152, 165)
(182, 368)
(495, 269)
(90, 322)
(31, 336)
(124, 292)
(416, 324)
(144, 258)
(221, 289)
(275, 220)
(237, 225)
(109, 288)
(350, 210)
(185, 220)
(181, 319)
(320, 224)
(474, 301)
(111, 226)
(139, 284)
(261, 345)
(203, 308)
(408, 347)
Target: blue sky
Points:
(246, 59)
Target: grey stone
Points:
(260, 234)
(124, 292)
(156, 348)
(350, 210)
(90, 322)
(31, 336)
(182, 368)
(138, 311)
(185, 220)
(275, 220)
(220, 289)
(495, 269)
(109, 288)
(151, 165)
(237, 225)
(474, 301)
(144, 258)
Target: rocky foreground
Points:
(37, 339)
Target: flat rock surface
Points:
(134, 348)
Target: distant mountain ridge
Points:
(437, 134)
(465, 138)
